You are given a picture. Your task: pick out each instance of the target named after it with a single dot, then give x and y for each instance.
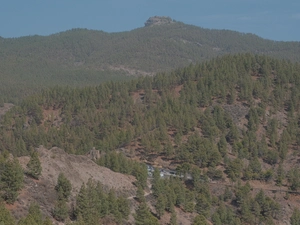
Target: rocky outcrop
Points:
(158, 20)
(77, 168)
(94, 154)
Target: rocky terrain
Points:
(158, 20)
(78, 169)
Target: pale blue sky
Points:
(271, 19)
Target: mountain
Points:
(80, 57)
(225, 132)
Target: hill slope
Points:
(78, 170)
(230, 126)
(86, 57)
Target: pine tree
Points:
(256, 210)
(35, 212)
(79, 221)
(140, 194)
(81, 201)
(47, 221)
(11, 180)
(144, 217)
(5, 216)
(28, 220)
(60, 211)
(189, 204)
(227, 194)
(203, 205)
(246, 213)
(112, 202)
(157, 183)
(141, 174)
(123, 207)
(280, 175)
(295, 218)
(102, 204)
(199, 220)
(160, 205)
(216, 219)
(173, 218)
(294, 178)
(65, 185)
(234, 169)
(222, 145)
(170, 198)
(34, 166)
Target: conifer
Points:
(11, 180)
(34, 166)
(143, 216)
(64, 185)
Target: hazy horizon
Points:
(274, 20)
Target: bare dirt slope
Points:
(77, 169)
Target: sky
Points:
(271, 19)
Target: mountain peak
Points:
(158, 20)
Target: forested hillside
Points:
(231, 123)
(81, 57)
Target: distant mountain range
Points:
(81, 57)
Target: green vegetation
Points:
(11, 178)
(63, 186)
(199, 220)
(234, 118)
(92, 204)
(295, 218)
(82, 57)
(34, 217)
(117, 162)
(34, 165)
(111, 115)
(144, 217)
(5, 216)
(63, 189)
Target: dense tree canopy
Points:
(235, 117)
